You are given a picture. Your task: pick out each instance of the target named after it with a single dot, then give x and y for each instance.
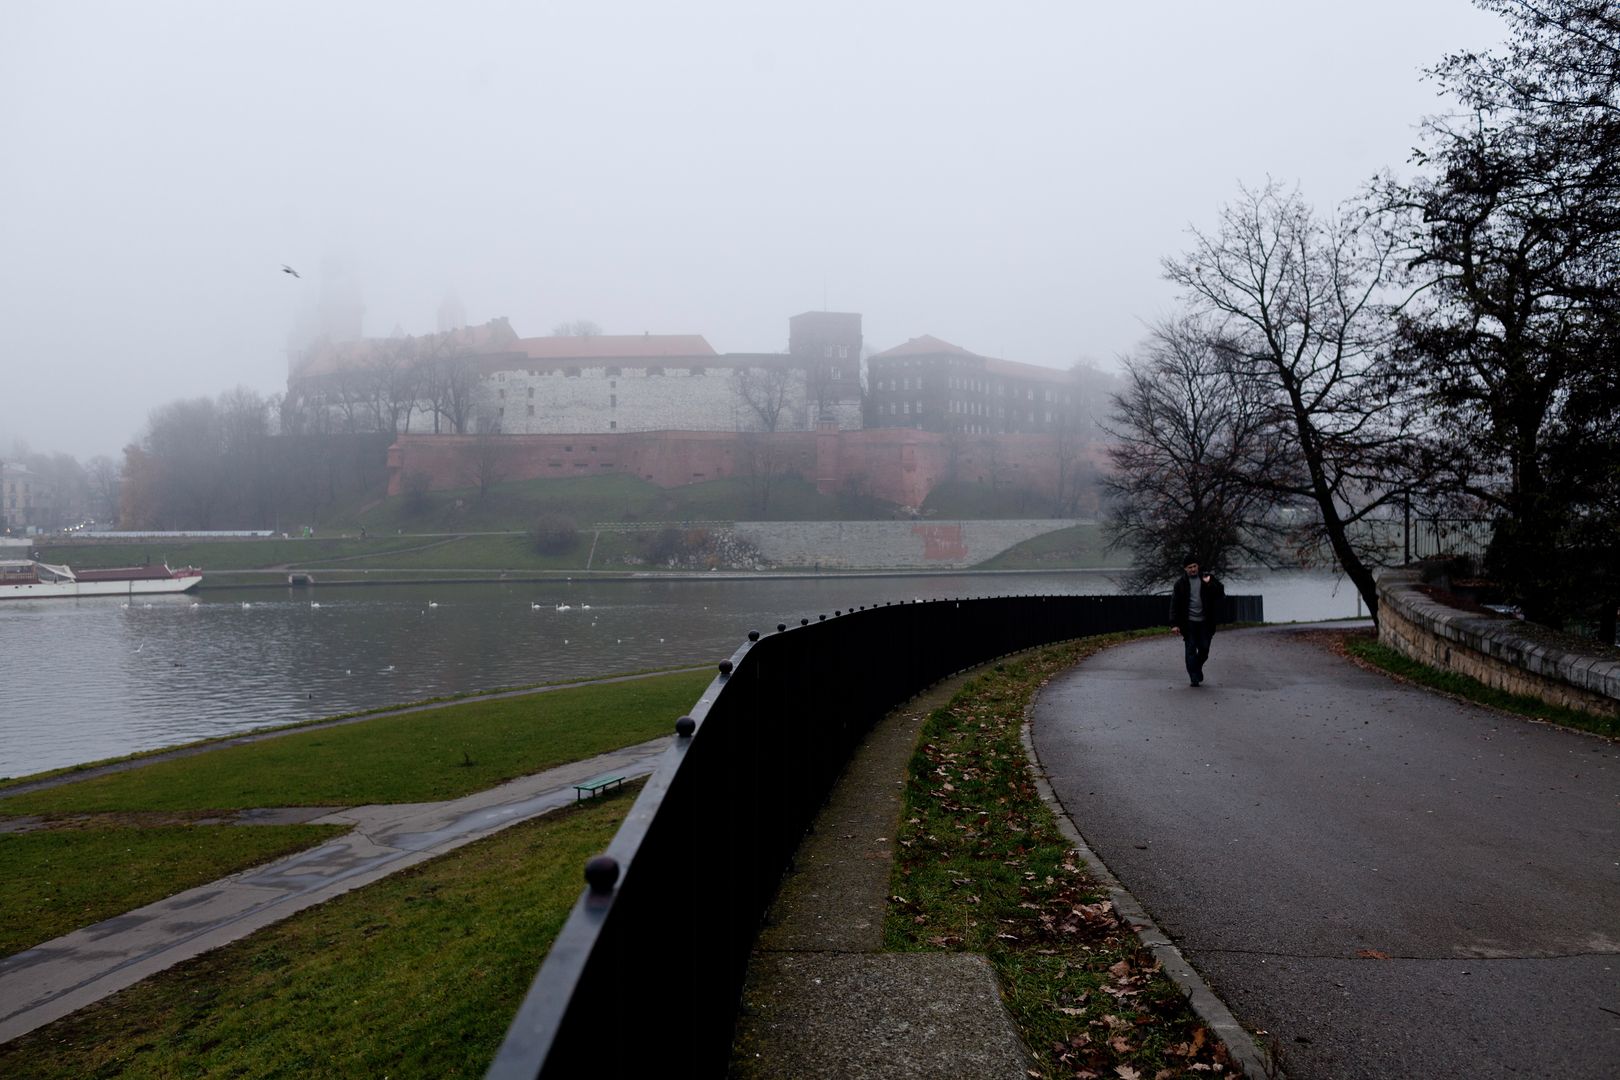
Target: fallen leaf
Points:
(1127, 1073)
(1067, 1011)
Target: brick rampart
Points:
(900, 465)
(1491, 649)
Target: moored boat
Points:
(22, 579)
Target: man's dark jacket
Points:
(1213, 594)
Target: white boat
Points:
(28, 579)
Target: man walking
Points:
(1196, 605)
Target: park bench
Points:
(600, 783)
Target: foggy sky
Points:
(1006, 177)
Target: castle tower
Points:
(826, 345)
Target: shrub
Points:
(554, 534)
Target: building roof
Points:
(615, 347)
(928, 345)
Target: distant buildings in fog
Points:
(486, 379)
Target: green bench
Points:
(600, 783)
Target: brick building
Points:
(933, 385)
(488, 380)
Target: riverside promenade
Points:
(1388, 882)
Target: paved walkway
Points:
(53, 979)
(1389, 882)
(822, 999)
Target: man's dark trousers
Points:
(1195, 636)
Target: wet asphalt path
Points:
(1296, 819)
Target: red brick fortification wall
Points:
(900, 465)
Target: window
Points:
(613, 425)
(697, 371)
(613, 401)
(501, 394)
(531, 410)
(501, 411)
(613, 371)
(908, 408)
(531, 394)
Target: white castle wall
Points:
(682, 398)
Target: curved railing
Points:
(646, 974)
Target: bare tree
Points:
(102, 472)
(1300, 304)
(484, 462)
(460, 384)
(584, 328)
(763, 394)
(1196, 459)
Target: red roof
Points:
(615, 347)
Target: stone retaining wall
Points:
(888, 545)
(1491, 649)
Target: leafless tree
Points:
(459, 384)
(484, 462)
(763, 394)
(102, 472)
(584, 328)
(1301, 305)
(1196, 459)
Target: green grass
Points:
(415, 976)
(440, 753)
(55, 881)
(1083, 545)
(964, 500)
(594, 500)
(982, 868)
(1366, 647)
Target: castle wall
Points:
(901, 465)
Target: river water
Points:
(82, 680)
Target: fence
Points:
(646, 973)
(1430, 536)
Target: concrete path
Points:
(822, 999)
(1389, 882)
(60, 976)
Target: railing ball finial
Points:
(804, 622)
(685, 726)
(781, 626)
(602, 873)
(725, 667)
(753, 635)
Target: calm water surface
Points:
(82, 680)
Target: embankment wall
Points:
(1492, 649)
(888, 544)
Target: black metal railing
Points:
(649, 967)
(1429, 537)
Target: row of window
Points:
(612, 372)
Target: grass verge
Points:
(1365, 646)
(417, 975)
(440, 753)
(982, 868)
(53, 882)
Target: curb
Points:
(1210, 1008)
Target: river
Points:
(83, 680)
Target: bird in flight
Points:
(285, 269)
